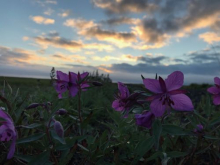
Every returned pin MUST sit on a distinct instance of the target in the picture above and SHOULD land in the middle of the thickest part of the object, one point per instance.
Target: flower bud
(96, 83)
(33, 105)
(199, 128)
(58, 129)
(61, 111)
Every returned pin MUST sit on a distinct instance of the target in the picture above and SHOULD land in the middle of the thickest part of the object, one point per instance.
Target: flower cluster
(124, 100)
(166, 95)
(71, 82)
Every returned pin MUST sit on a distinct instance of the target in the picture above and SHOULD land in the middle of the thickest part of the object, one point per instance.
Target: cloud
(125, 6)
(79, 23)
(49, 11)
(70, 58)
(44, 3)
(18, 56)
(121, 20)
(25, 38)
(150, 32)
(89, 29)
(42, 20)
(119, 39)
(64, 13)
(210, 37)
(58, 42)
(165, 20)
(53, 40)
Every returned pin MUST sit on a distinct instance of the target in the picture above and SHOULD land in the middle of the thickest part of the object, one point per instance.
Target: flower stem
(51, 142)
(79, 110)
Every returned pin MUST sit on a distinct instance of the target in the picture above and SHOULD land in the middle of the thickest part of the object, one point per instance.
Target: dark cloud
(100, 33)
(57, 56)
(126, 6)
(154, 60)
(58, 42)
(53, 34)
(119, 21)
(165, 18)
(8, 55)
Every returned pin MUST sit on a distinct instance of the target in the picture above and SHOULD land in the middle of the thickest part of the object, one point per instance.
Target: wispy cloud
(49, 11)
(64, 13)
(42, 20)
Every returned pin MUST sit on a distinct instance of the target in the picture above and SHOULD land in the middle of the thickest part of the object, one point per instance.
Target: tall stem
(51, 142)
(79, 110)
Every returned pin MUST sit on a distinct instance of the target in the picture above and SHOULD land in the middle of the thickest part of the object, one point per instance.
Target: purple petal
(117, 105)
(84, 86)
(178, 91)
(62, 76)
(162, 84)
(83, 75)
(73, 77)
(123, 90)
(213, 90)
(73, 90)
(3, 114)
(181, 102)
(152, 85)
(157, 107)
(174, 80)
(12, 148)
(216, 99)
(217, 80)
(145, 119)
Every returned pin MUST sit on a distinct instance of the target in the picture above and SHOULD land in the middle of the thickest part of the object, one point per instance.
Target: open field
(106, 137)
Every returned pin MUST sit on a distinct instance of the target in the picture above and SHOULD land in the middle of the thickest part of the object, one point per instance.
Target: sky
(123, 38)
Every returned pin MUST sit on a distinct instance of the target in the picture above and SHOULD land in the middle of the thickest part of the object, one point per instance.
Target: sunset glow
(119, 37)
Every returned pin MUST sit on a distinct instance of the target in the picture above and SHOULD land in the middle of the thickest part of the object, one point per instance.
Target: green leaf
(175, 130)
(157, 129)
(154, 156)
(55, 136)
(176, 154)
(214, 121)
(26, 158)
(84, 148)
(42, 159)
(30, 138)
(142, 148)
(211, 137)
(200, 117)
(34, 125)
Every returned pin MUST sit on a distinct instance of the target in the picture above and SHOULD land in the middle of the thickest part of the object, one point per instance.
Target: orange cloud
(119, 39)
(42, 20)
(210, 37)
(105, 70)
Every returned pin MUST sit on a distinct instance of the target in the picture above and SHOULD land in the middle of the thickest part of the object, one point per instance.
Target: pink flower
(145, 119)
(167, 94)
(124, 101)
(72, 82)
(7, 132)
(215, 90)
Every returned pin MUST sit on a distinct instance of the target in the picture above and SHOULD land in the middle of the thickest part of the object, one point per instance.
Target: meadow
(87, 129)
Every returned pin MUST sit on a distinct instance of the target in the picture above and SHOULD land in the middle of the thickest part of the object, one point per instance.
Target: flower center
(165, 98)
